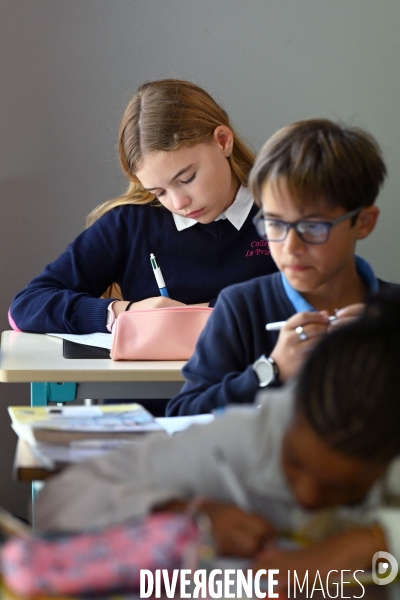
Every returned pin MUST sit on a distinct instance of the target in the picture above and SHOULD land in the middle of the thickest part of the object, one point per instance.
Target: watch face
(265, 372)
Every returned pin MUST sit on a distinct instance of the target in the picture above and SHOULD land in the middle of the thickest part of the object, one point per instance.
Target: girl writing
(187, 203)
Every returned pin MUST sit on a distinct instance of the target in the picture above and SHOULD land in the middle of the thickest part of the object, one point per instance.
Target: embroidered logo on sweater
(258, 248)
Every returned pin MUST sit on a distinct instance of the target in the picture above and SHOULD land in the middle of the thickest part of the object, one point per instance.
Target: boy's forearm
(234, 388)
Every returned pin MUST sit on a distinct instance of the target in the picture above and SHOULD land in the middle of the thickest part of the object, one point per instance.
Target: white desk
(37, 358)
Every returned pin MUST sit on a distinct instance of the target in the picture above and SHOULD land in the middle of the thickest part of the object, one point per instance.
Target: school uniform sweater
(130, 482)
(196, 262)
(221, 369)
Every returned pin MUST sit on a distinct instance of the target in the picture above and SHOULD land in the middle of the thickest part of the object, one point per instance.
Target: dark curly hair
(349, 389)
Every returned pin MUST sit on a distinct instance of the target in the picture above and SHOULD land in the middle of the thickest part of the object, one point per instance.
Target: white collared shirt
(237, 213)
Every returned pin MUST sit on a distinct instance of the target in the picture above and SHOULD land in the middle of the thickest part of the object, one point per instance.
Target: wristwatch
(266, 370)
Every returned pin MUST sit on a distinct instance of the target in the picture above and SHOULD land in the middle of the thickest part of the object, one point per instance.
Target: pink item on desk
(158, 333)
(12, 322)
(103, 561)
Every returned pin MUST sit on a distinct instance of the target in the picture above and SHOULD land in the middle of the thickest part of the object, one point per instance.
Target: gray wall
(69, 68)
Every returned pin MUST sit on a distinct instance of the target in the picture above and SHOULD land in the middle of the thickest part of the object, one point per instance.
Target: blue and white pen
(158, 276)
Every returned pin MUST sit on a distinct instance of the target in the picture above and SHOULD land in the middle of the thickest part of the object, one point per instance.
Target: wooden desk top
(27, 357)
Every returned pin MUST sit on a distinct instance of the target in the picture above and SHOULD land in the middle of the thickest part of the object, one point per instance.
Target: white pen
(231, 481)
(279, 324)
(158, 275)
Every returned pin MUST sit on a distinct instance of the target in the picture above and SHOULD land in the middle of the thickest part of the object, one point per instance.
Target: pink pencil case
(158, 333)
(97, 562)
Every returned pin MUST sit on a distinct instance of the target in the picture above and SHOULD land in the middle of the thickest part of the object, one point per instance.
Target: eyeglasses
(310, 232)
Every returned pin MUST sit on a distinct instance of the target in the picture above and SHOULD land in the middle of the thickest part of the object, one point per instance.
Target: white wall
(69, 68)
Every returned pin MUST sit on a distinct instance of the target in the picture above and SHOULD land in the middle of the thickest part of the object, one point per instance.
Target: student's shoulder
(258, 287)
(135, 213)
(388, 286)
(252, 295)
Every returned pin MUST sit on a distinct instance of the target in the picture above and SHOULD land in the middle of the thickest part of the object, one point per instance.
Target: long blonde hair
(166, 115)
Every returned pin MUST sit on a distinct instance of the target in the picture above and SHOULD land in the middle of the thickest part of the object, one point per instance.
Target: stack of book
(59, 435)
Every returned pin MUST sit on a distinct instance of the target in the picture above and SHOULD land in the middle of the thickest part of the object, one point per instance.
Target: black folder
(74, 350)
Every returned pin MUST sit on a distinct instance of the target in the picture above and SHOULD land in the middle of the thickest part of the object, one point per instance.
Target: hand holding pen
(346, 315)
(297, 336)
(237, 530)
(237, 492)
(161, 301)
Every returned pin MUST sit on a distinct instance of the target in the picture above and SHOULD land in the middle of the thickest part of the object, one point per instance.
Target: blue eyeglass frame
(329, 224)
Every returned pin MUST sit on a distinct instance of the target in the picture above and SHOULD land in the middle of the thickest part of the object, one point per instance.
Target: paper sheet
(101, 340)
(174, 424)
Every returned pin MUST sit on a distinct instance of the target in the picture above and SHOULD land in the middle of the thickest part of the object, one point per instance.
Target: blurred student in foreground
(316, 458)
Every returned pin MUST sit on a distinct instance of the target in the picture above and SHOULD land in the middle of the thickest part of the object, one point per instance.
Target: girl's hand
(348, 314)
(157, 302)
(290, 350)
(234, 531)
(349, 551)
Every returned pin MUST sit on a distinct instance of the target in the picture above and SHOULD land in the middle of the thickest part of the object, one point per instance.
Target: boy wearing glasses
(316, 182)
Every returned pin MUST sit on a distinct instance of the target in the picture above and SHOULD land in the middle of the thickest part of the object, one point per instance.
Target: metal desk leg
(43, 393)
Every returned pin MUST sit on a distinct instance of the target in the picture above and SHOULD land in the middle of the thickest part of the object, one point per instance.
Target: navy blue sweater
(220, 371)
(196, 264)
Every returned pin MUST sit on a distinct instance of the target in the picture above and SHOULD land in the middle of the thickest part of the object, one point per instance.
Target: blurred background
(69, 68)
